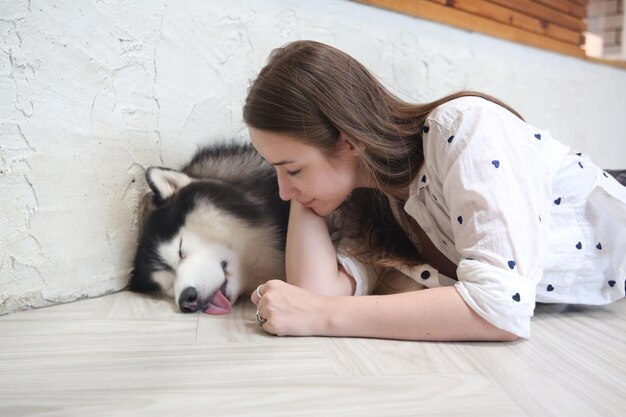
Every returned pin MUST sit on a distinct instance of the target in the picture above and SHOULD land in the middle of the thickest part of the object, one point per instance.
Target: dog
(215, 230)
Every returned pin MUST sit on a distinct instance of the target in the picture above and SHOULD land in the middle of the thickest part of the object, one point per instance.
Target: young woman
(506, 215)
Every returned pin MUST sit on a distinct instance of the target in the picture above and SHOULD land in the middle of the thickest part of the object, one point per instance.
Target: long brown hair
(314, 92)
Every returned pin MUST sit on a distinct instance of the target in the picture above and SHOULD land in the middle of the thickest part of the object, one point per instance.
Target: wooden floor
(128, 355)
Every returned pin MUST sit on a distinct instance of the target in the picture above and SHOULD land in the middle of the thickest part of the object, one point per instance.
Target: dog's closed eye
(180, 250)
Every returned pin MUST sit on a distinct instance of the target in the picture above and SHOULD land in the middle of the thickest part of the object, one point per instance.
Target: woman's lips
(308, 204)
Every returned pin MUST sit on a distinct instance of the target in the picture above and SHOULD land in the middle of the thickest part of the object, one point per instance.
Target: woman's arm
(311, 259)
(319, 300)
(433, 314)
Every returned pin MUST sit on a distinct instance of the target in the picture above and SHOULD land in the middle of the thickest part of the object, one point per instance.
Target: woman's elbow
(508, 337)
(334, 285)
(501, 335)
(496, 334)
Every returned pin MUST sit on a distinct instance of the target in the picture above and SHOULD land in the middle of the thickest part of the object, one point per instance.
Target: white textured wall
(93, 92)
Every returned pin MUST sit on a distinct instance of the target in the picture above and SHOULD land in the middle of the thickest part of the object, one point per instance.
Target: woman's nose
(286, 191)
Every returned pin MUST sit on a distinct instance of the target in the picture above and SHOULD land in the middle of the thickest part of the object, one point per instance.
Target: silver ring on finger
(260, 319)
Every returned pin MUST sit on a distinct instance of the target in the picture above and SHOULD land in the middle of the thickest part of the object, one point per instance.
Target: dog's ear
(165, 182)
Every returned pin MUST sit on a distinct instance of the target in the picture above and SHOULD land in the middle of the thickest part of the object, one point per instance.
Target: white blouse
(525, 219)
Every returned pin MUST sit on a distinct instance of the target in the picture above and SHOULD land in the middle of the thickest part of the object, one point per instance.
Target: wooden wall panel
(557, 25)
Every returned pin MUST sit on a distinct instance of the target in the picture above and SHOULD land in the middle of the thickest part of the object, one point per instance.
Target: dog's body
(217, 230)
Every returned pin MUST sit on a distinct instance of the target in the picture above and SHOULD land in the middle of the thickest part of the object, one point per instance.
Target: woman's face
(306, 175)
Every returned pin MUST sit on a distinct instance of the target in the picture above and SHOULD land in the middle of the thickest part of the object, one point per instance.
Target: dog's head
(185, 249)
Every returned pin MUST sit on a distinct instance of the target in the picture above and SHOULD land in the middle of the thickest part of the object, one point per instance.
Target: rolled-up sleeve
(344, 234)
(496, 186)
(365, 275)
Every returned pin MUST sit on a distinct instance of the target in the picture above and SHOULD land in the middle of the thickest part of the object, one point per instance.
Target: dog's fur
(216, 230)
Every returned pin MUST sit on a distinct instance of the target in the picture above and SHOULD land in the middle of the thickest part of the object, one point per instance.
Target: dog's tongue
(219, 304)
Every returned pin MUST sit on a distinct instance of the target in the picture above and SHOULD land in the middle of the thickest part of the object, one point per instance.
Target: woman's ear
(349, 144)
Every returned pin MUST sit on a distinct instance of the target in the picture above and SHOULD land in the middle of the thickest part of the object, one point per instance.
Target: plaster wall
(94, 92)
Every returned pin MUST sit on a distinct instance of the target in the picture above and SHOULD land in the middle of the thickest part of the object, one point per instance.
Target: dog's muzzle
(216, 304)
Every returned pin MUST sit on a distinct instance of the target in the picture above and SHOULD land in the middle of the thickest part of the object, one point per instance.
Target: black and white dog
(216, 230)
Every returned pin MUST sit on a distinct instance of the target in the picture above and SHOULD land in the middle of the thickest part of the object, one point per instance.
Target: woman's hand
(290, 310)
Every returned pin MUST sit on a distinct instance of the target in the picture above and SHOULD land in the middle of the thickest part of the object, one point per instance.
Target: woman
(501, 210)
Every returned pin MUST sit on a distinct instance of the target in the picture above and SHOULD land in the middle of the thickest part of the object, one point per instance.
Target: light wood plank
(80, 309)
(395, 396)
(129, 355)
(573, 365)
(373, 357)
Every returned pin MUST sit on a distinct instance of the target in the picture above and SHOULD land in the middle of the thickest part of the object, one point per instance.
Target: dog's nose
(188, 300)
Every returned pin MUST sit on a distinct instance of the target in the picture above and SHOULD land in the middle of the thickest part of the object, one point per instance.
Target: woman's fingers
(261, 298)
(285, 309)
(257, 294)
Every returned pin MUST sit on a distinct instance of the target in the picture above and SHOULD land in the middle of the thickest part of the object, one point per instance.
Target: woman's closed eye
(293, 173)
